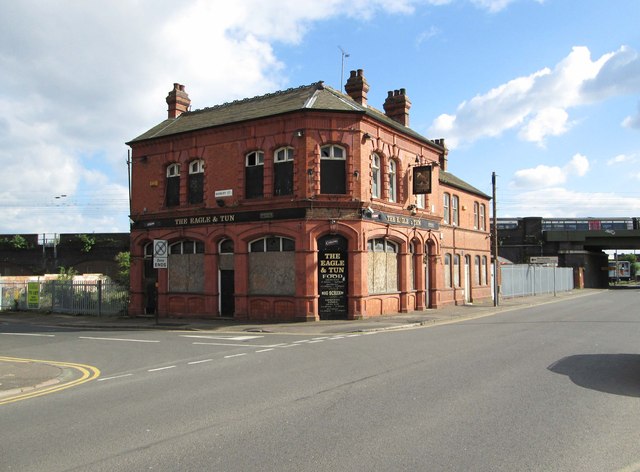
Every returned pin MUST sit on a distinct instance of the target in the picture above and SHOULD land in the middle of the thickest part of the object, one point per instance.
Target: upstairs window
(393, 185)
(483, 218)
(172, 196)
(446, 203)
(476, 215)
(196, 181)
(455, 218)
(254, 174)
(283, 171)
(332, 170)
(375, 175)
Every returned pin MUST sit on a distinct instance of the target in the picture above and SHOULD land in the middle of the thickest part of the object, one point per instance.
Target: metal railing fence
(523, 280)
(95, 297)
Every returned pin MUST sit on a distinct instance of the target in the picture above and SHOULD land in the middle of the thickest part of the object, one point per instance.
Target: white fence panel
(524, 280)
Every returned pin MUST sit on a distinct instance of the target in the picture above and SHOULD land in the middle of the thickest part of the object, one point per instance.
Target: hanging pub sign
(421, 180)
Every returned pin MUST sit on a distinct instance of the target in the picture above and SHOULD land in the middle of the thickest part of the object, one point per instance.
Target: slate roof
(451, 180)
(316, 96)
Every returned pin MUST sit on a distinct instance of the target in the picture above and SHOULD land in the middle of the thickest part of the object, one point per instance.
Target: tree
(124, 265)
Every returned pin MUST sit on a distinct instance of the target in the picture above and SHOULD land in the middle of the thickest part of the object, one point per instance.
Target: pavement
(18, 376)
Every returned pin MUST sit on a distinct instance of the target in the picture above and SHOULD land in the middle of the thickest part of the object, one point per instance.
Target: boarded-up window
(272, 266)
(254, 174)
(332, 170)
(172, 195)
(383, 266)
(186, 267)
(283, 171)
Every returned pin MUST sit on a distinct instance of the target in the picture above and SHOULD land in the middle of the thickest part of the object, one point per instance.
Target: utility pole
(496, 265)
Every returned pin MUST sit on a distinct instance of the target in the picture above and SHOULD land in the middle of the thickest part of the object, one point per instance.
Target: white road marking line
(235, 355)
(265, 350)
(120, 339)
(238, 345)
(230, 338)
(336, 337)
(114, 377)
(352, 335)
(161, 368)
(199, 362)
(289, 345)
(301, 341)
(30, 334)
(323, 337)
(316, 341)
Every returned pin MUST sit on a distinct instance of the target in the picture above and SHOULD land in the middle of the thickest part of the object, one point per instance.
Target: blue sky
(544, 93)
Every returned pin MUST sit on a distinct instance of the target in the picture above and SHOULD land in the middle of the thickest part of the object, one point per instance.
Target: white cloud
(538, 105)
(547, 122)
(632, 121)
(563, 203)
(543, 176)
(621, 158)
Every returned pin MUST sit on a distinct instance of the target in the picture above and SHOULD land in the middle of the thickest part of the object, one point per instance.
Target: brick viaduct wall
(28, 254)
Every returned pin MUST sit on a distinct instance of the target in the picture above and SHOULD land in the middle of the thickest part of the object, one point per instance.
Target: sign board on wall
(33, 295)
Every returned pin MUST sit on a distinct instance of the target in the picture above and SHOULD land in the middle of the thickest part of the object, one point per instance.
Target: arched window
(254, 174)
(456, 270)
(226, 246)
(483, 220)
(272, 244)
(484, 270)
(272, 266)
(172, 193)
(476, 215)
(196, 181)
(447, 270)
(383, 266)
(375, 175)
(446, 202)
(283, 171)
(332, 169)
(455, 219)
(186, 266)
(476, 271)
(393, 183)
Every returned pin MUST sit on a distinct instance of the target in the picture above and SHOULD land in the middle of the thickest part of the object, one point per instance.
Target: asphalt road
(549, 388)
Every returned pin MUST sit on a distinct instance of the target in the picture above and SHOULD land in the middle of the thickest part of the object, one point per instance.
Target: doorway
(332, 277)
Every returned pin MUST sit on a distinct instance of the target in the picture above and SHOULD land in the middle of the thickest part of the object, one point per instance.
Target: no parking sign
(160, 252)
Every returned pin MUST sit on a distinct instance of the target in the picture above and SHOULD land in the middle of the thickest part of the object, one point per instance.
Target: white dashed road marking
(120, 339)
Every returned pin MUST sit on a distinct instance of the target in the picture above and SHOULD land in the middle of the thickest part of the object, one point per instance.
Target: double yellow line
(87, 373)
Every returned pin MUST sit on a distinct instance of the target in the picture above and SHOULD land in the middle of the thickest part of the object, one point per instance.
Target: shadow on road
(611, 373)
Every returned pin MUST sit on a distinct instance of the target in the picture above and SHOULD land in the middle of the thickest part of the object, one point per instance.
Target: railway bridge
(577, 242)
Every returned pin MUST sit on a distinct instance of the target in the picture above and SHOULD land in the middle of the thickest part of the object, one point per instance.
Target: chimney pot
(357, 87)
(397, 106)
(178, 101)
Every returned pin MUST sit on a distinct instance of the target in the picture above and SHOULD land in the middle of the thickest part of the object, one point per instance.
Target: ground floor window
(186, 266)
(272, 266)
(383, 266)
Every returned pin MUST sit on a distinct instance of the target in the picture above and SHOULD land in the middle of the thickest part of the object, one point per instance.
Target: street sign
(548, 260)
(160, 252)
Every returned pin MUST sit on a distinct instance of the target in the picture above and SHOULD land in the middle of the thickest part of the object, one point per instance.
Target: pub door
(332, 277)
(227, 293)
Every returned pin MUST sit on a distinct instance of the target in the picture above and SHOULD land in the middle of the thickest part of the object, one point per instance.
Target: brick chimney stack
(397, 105)
(357, 87)
(178, 101)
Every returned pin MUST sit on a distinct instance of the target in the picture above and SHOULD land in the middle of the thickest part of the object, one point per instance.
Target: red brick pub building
(300, 205)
